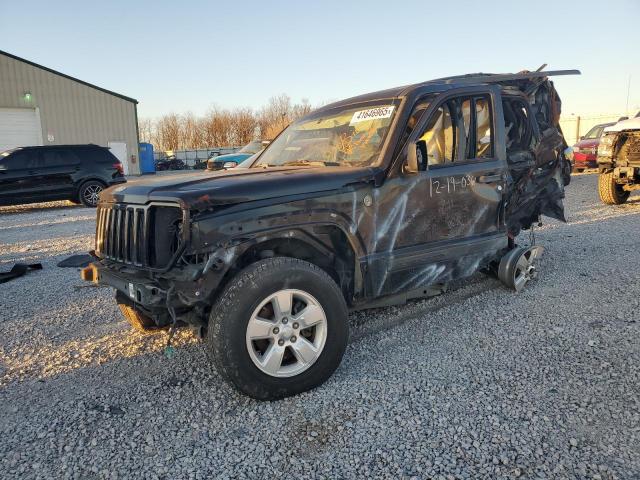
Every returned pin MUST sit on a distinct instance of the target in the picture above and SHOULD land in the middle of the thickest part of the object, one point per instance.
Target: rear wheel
(518, 267)
(89, 193)
(278, 329)
(610, 192)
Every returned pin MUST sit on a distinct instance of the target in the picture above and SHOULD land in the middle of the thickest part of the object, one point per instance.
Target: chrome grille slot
(140, 235)
(121, 232)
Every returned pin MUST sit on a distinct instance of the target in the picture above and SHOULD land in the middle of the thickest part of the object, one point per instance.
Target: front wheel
(278, 329)
(610, 192)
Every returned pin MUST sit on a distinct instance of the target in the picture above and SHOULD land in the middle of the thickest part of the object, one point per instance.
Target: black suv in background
(62, 172)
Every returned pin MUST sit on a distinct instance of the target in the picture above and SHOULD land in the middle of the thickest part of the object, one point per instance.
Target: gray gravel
(477, 383)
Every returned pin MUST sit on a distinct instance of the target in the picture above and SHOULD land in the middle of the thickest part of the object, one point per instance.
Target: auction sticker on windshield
(371, 114)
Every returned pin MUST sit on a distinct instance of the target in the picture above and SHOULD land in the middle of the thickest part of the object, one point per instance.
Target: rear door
(57, 168)
(450, 200)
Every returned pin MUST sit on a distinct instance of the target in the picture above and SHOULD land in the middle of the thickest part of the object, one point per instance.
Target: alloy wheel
(286, 333)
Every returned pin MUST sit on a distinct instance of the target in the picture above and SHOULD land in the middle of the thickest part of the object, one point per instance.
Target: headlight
(605, 148)
(606, 140)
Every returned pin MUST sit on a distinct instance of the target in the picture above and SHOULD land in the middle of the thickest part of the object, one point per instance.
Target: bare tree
(244, 125)
(168, 132)
(218, 128)
(145, 130)
(279, 113)
(222, 127)
(191, 135)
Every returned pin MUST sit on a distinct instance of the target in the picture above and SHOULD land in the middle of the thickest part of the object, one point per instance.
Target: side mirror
(229, 165)
(265, 143)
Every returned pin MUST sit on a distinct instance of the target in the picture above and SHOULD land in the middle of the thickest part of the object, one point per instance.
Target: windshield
(342, 137)
(595, 132)
(253, 147)
(6, 153)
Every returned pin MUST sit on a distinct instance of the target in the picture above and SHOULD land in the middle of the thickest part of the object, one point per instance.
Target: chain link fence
(192, 158)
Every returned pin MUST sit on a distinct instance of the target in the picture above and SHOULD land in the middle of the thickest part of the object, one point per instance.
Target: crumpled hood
(203, 189)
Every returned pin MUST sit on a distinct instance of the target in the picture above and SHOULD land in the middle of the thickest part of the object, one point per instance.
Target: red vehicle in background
(585, 151)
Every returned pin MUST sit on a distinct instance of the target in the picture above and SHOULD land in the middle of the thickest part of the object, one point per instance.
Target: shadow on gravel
(366, 323)
(38, 207)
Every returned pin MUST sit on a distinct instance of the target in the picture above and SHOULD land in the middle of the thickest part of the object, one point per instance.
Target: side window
(22, 160)
(483, 134)
(440, 136)
(459, 131)
(58, 157)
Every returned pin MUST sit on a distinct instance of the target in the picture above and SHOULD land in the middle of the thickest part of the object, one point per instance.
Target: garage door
(19, 127)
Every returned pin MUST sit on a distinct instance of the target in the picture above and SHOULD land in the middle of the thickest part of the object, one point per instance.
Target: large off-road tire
(278, 328)
(610, 192)
(89, 193)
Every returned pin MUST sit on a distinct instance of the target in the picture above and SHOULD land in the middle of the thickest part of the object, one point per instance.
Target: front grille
(141, 235)
(122, 233)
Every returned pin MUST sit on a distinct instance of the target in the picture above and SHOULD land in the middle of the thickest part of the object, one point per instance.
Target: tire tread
(232, 297)
(608, 191)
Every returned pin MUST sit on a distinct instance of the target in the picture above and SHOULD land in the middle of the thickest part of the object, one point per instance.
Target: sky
(192, 55)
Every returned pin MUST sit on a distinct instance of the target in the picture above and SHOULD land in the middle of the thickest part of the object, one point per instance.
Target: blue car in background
(217, 163)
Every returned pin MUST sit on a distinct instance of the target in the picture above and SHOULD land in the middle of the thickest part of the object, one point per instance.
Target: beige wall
(574, 127)
(70, 112)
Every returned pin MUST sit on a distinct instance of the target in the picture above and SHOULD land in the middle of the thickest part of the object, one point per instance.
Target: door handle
(488, 178)
(32, 172)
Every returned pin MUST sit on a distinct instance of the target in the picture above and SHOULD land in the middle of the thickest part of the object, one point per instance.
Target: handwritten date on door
(442, 185)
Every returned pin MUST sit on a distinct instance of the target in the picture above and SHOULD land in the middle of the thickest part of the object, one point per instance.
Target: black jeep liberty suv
(365, 202)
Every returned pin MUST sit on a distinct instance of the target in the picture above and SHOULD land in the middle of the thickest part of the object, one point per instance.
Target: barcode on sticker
(371, 114)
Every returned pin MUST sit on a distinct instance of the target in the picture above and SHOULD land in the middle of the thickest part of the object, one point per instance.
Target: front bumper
(138, 289)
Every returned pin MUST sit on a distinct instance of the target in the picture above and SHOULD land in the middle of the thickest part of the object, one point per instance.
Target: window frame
(493, 92)
(461, 97)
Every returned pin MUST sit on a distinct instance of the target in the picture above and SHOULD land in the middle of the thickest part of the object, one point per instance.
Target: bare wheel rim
(525, 269)
(286, 333)
(91, 193)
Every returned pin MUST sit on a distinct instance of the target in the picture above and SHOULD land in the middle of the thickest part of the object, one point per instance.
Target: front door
(119, 149)
(20, 179)
(443, 213)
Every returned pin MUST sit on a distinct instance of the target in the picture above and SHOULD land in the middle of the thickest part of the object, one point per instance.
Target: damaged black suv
(365, 202)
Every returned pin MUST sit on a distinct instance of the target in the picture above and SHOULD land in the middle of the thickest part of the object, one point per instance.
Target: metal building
(40, 106)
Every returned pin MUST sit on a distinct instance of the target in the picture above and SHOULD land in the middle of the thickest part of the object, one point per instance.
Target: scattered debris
(18, 270)
(76, 261)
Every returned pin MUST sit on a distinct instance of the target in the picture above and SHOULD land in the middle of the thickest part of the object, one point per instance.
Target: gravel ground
(477, 383)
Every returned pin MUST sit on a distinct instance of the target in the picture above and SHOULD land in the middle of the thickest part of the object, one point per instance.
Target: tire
(243, 301)
(610, 192)
(89, 193)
